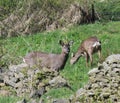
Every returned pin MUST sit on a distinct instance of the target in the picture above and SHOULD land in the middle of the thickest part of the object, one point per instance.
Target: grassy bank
(8, 99)
(109, 34)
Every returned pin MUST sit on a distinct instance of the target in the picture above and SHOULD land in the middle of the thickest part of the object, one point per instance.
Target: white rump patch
(96, 44)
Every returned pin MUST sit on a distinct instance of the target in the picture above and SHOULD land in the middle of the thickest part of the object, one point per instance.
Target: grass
(8, 99)
(109, 34)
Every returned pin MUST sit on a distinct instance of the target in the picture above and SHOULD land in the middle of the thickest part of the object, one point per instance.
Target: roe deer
(87, 48)
(49, 60)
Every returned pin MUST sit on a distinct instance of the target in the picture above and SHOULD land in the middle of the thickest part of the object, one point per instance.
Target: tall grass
(15, 48)
(108, 9)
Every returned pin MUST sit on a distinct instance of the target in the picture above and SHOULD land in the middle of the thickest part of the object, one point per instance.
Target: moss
(24, 71)
(46, 81)
(10, 89)
(41, 75)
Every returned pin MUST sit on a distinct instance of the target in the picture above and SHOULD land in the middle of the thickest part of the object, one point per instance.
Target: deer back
(49, 60)
(91, 45)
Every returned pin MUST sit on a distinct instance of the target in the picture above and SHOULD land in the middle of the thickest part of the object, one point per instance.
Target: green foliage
(56, 93)
(8, 99)
(50, 6)
(6, 7)
(17, 47)
(108, 9)
(8, 4)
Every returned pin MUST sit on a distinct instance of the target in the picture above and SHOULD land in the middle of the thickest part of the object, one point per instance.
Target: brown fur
(87, 48)
(49, 60)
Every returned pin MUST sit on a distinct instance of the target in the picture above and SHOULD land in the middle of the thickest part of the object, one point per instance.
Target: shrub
(108, 9)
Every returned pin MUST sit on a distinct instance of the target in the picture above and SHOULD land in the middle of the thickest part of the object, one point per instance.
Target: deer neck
(79, 52)
(64, 55)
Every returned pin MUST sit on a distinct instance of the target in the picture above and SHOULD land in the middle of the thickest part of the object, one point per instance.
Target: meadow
(16, 47)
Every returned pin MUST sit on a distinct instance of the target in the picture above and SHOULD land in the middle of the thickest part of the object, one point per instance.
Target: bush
(6, 7)
(108, 9)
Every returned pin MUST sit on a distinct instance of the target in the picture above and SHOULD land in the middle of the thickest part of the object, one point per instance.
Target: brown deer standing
(87, 48)
(49, 60)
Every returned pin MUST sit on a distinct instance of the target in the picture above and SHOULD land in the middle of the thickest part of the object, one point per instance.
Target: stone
(105, 95)
(93, 71)
(106, 66)
(103, 84)
(91, 94)
(95, 86)
(9, 73)
(17, 68)
(58, 82)
(4, 93)
(80, 92)
(19, 75)
(41, 101)
(104, 80)
(114, 98)
(19, 85)
(115, 66)
(37, 93)
(113, 59)
(2, 84)
(61, 101)
(0, 70)
(10, 83)
(22, 101)
(30, 72)
(14, 80)
(116, 70)
(1, 78)
(33, 101)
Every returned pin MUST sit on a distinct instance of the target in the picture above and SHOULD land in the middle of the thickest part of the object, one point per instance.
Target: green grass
(109, 33)
(8, 99)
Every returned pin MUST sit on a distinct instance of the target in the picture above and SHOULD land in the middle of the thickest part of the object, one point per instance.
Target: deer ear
(61, 42)
(71, 42)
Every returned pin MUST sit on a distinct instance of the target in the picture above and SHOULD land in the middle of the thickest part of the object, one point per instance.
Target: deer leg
(87, 58)
(90, 52)
(90, 56)
(99, 54)
(91, 60)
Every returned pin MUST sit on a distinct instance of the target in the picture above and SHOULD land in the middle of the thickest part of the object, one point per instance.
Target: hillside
(26, 17)
(17, 47)
(35, 16)
(39, 25)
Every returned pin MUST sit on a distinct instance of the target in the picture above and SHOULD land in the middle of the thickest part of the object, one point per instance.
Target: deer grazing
(51, 61)
(87, 48)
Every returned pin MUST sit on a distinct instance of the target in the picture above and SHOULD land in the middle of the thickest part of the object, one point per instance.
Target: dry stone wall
(103, 85)
(32, 82)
